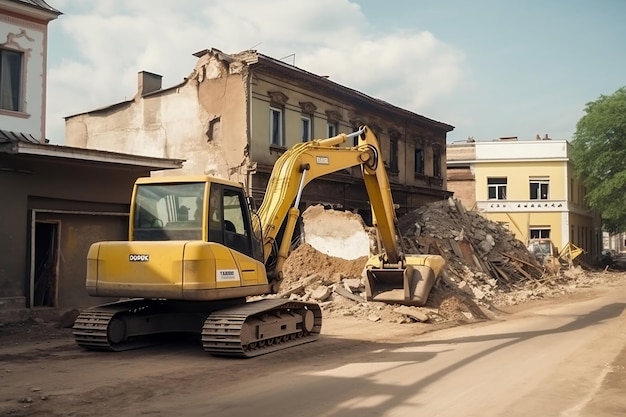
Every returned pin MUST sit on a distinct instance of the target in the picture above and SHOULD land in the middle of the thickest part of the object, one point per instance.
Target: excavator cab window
(229, 219)
(163, 211)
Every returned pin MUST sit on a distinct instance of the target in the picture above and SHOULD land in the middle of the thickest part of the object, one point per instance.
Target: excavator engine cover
(406, 286)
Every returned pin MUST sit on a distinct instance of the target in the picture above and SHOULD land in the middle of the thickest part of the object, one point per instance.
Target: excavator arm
(392, 276)
(310, 160)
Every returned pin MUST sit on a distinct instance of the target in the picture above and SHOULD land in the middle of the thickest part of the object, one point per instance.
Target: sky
(490, 68)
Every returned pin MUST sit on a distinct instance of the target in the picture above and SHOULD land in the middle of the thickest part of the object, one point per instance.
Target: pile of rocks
(485, 265)
(482, 257)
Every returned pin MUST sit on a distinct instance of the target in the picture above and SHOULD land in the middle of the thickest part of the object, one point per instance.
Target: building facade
(23, 58)
(527, 186)
(57, 201)
(236, 114)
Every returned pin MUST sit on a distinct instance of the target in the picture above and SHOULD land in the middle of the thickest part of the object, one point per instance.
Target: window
(10, 79)
(539, 232)
(306, 128)
(419, 161)
(229, 223)
(168, 211)
(437, 163)
(332, 130)
(496, 188)
(539, 188)
(276, 127)
(393, 155)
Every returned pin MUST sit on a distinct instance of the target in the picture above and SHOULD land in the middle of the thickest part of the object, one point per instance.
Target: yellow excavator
(197, 250)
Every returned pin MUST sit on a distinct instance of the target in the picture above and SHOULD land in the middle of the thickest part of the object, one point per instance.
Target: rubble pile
(485, 265)
(482, 257)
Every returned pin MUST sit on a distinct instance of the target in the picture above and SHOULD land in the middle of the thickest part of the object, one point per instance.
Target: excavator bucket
(407, 286)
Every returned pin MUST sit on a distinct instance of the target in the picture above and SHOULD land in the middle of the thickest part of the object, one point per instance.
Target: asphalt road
(564, 358)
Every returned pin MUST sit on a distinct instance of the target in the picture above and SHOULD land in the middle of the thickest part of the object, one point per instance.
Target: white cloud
(111, 41)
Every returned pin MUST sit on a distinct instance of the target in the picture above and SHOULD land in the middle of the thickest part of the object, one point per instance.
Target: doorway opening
(45, 266)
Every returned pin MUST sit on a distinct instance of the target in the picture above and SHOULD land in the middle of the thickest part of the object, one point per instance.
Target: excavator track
(95, 328)
(130, 324)
(261, 327)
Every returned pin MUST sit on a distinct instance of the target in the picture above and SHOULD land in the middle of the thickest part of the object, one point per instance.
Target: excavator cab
(202, 210)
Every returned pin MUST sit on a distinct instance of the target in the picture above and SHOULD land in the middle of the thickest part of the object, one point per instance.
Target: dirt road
(564, 357)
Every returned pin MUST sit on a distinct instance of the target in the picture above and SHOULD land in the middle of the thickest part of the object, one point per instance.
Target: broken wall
(202, 120)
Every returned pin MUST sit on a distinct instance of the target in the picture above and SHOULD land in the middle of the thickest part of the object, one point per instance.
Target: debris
(485, 265)
(412, 312)
(349, 295)
(374, 318)
(321, 293)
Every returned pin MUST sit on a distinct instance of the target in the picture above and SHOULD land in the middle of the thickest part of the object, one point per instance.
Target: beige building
(528, 186)
(236, 114)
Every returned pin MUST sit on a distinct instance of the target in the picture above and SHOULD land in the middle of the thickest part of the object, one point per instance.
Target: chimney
(546, 137)
(148, 82)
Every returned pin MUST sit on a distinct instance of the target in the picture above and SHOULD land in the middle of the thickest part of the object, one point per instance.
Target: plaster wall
(517, 150)
(30, 38)
(518, 178)
(36, 183)
(520, 223)
(203, 121)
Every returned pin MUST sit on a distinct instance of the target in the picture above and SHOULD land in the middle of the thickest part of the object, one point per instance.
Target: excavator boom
(307, 161)
(387, 277)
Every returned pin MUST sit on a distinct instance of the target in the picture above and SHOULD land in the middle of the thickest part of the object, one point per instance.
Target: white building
(23, 56)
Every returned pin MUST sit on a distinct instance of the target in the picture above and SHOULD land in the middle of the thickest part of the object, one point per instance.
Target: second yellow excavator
(197, 250)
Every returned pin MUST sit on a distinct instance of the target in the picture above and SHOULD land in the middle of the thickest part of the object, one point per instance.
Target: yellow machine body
(177, 270)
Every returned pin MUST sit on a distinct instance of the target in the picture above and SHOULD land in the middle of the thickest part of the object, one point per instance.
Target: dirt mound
(337, 285)
(306, 261)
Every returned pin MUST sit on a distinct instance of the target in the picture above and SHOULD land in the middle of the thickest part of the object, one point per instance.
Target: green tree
(599, 156)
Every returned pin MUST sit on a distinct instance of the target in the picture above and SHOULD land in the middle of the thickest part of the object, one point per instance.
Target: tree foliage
(599, 156)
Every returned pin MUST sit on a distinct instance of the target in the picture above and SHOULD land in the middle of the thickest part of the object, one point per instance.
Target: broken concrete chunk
(413, 313)
(349, 295)
(478, 293)
(485, 246)
(466, 288)
(374, 318)
(352, 284)
(321, 293)
(468, 315)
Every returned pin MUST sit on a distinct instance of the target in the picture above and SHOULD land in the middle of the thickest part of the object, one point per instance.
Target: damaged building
(234, 115)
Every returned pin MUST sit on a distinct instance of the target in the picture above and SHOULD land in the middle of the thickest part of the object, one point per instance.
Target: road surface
(560, 358)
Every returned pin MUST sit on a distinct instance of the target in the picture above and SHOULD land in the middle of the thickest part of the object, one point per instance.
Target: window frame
(499, 187)
(332, 129)
(537, 193)
(306, 127)
(418, 156)
(437, 171)
(277, 137)
(539, 232)
(394, 163)
(17, 102)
